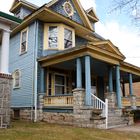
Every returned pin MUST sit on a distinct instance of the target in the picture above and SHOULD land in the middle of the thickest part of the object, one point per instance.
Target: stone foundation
(5, 92)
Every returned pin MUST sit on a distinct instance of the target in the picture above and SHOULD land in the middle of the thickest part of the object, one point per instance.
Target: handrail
(99, 104)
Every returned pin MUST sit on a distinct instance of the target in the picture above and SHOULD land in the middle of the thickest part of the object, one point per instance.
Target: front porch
(99, 77)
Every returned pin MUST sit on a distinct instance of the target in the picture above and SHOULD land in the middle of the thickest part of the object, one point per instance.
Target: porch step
(116, 126)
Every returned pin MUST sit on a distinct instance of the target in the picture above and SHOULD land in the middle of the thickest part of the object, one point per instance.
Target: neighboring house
(63, 70)
(7, 22)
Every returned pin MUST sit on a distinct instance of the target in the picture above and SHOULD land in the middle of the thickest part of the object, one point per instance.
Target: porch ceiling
(76, 52)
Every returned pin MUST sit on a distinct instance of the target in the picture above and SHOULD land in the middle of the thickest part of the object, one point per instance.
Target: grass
(21, 130)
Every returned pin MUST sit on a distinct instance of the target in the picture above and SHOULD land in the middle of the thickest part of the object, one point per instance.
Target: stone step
(117, 126)
(114, 123)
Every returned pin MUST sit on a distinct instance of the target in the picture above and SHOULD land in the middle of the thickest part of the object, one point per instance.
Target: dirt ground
(133, 128)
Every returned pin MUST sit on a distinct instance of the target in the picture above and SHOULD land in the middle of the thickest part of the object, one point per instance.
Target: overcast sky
(116, 26)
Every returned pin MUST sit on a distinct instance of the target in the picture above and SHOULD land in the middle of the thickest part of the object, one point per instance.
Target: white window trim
(13, 75)
(26, 29)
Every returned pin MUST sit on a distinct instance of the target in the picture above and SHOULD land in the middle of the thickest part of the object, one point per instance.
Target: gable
(18, 3)
(107, 45)
(79, 14)
(92, 15)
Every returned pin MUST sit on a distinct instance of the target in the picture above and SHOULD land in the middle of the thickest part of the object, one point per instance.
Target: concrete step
(116, 123)
(117, 126)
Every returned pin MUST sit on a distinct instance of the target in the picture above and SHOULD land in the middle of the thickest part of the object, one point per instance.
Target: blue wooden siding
(80, 41)
(58, 7)
(23, 97)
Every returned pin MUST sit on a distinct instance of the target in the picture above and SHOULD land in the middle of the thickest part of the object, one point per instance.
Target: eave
(46, 15)
(129, 68)
(76, 52)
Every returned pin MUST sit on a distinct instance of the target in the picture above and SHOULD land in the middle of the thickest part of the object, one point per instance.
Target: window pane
(59, 80)
(16, 79)
(67, 38)
(59, 84)
(24, 36)
(53, 36)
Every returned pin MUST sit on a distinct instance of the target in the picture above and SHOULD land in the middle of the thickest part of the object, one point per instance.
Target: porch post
(88, 80)
(78, 73)
(110, 80)
(130, 84)
(118, 86)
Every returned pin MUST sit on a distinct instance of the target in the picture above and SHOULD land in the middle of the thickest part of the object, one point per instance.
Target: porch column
(118, 86)
(5, 53)
(130, 84)
(110, 80)
(88, 80)
(78, 73)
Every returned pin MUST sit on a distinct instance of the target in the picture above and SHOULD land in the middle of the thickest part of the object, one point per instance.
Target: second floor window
(67, 38)
(23, 45)
(53, 37)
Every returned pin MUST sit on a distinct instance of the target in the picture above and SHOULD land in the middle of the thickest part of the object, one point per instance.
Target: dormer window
(58, 37)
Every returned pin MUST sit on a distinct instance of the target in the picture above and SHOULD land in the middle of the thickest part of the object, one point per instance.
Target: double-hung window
(23, 43)
(67, 38)
(53, 37)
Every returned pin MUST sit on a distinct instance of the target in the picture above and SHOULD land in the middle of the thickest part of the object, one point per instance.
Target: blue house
(63, 71)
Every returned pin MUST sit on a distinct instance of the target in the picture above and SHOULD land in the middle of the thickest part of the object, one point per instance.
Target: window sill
(15, 88)
(23, 53)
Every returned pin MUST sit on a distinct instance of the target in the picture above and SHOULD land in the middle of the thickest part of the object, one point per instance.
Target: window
(67, 38)
(16, 79)
(58, 36)
(59, 84)
(23, 45)
(53, 37)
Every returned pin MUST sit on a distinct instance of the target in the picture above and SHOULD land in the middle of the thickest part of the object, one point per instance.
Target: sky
(115, 26)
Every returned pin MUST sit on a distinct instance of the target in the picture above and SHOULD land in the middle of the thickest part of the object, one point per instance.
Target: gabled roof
(80, 10)
(107, 45)
(92, 15)
(18, 3)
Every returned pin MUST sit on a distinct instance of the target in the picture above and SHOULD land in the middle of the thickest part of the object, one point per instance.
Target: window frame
(14, 79)
(21, 35)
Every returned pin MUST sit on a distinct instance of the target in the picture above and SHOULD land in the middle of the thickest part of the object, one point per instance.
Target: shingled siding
(58, 7)
(23, 97)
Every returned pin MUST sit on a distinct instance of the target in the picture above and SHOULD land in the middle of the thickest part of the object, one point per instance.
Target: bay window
(58, 37)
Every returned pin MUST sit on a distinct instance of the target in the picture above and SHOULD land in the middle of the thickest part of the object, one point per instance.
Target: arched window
(16, 79)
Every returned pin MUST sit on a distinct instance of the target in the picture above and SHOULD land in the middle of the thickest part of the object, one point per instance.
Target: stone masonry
(5, 92)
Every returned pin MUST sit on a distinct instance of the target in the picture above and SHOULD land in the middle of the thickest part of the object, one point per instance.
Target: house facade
(63, 71)
(7, 22)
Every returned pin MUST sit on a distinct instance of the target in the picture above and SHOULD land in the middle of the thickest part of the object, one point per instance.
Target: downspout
(35, 71)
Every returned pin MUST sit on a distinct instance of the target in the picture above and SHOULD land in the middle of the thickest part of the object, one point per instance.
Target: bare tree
(131, 7)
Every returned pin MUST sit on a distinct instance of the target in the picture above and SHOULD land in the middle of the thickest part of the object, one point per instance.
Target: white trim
(26, 29)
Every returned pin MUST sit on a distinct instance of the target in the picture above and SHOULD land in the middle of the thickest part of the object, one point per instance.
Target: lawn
(21, 130)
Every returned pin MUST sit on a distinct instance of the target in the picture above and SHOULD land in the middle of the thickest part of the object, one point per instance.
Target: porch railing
(127, 101)
(66, 101)
(99, 104)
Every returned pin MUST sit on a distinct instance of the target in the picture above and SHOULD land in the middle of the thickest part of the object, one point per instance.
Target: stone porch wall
(5, 92)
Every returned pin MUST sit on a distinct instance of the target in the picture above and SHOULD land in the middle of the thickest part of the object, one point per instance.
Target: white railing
(99, 104)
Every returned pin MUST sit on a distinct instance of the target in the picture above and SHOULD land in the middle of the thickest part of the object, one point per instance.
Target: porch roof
(90, 49)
